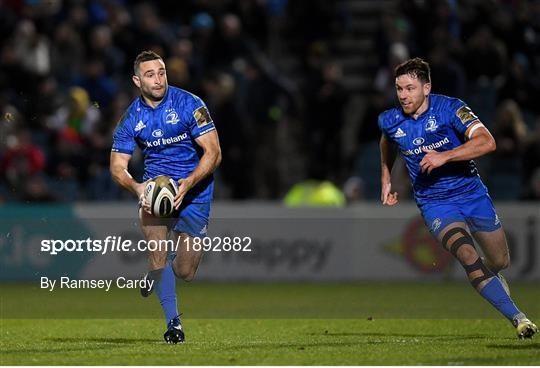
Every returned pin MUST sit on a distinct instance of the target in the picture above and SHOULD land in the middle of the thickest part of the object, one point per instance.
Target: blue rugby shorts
(476, 211)
(193, 219)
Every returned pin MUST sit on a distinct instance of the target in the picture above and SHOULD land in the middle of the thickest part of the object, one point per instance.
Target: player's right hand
(387, 197)
(142, 201)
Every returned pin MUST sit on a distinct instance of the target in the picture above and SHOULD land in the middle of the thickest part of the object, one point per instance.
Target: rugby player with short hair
(439, 137)
(177, 137)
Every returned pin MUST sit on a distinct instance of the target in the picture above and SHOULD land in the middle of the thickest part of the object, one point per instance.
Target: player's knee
(185, 273)
(188, 276)
(467, 254)
(502, 263)
(460, 243)
(157, 261)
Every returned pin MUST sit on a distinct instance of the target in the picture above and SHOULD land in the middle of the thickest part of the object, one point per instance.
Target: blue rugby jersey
(441, 128)
(166, 136)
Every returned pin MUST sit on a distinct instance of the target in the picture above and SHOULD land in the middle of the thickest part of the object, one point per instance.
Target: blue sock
(494, 292)
(166, 292)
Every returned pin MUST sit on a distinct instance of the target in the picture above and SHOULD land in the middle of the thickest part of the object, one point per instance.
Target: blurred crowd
(488, 54)
(65, 81)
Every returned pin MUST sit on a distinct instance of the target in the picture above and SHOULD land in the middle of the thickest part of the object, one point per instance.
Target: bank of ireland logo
(418, 141)
(172, 117)
(431, 124)
(157, 133)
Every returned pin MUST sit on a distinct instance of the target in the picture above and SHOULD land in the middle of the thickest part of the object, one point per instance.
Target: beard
(413, 107)
(154, 95)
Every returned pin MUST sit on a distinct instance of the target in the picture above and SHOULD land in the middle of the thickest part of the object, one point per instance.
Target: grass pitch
(267, 324)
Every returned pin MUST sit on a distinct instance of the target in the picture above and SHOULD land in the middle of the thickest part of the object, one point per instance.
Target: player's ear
(136, 80)
(427, 88)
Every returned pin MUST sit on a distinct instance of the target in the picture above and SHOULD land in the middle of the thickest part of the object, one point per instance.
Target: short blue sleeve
(123, 138)
(200, 121)
(462, 117)
(380, 122)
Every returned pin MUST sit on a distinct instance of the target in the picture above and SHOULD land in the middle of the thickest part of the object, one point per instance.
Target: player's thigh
(441, 217)
(191, 227)
(448, 225)
(494, 246)
(456, 238)
(481, 215)
(451, 233)
(487, 230)
(189, 252)
(155, 234)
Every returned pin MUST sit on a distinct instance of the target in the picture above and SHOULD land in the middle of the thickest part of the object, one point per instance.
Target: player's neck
(155, 103)
(152, 103)
(422, 109)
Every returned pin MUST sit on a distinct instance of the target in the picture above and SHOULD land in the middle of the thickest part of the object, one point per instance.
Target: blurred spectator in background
(77, 115)
(202, 28)
(67, 54)
(236, 139)
(384, 82)
(353, 189)
(533, 186)
(21, 161)
(530, 161)
(102, 47)
(326, 100)
(100, 87)
(98, 140)
(289, 82)
(230, 45)
(35, 189)
(521, 84)
(509, 130)
(448, 77)
(485, 56)
(32, 49)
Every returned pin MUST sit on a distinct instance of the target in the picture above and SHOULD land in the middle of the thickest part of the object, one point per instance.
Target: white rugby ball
(159, 193)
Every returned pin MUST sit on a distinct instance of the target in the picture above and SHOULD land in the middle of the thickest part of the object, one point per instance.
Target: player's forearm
(122, 177)
(388, 157)
(385, 175)
(209, 162)
(474, 148)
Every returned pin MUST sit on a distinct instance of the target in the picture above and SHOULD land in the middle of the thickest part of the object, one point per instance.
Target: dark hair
(144, 56)
(416, 67)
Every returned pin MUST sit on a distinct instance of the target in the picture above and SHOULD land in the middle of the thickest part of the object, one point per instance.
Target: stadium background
(294, 88)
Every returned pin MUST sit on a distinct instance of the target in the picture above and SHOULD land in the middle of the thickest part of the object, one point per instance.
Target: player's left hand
(432, 160)
(183, 186)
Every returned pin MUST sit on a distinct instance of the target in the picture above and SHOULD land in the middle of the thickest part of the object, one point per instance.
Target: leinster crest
(431, 124)
(172, 117)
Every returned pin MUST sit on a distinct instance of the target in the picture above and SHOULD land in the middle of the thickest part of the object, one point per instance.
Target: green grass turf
(268, 324)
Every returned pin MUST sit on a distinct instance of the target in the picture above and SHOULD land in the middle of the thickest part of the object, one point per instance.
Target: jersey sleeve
(123, 137)
(380, 122)
(200, 121)
(462, 117)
